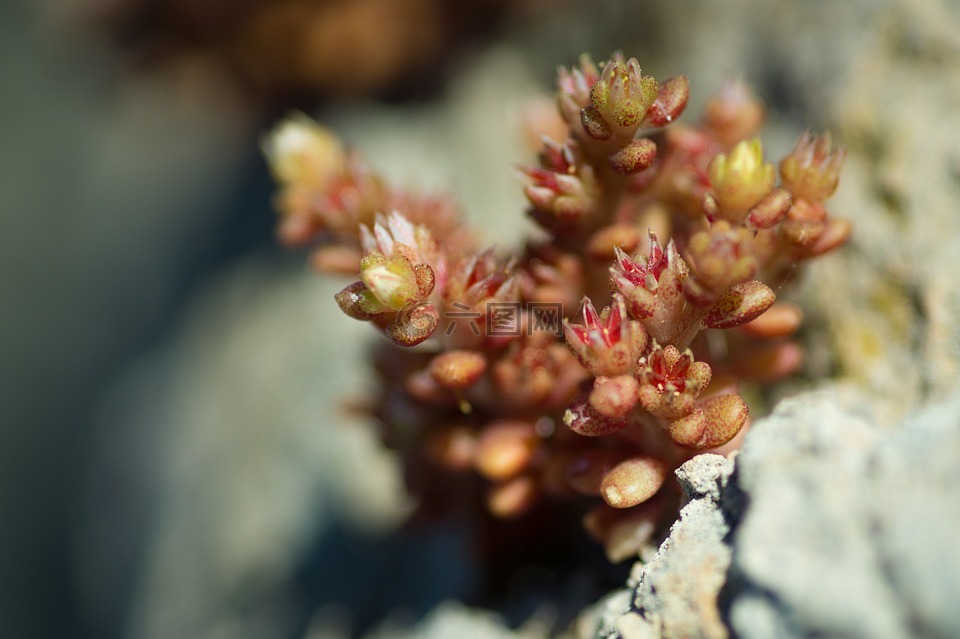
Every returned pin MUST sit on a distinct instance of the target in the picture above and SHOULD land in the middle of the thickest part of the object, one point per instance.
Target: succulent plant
(502, 384)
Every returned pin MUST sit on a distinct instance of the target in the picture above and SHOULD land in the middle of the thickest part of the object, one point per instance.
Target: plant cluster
(591, 363)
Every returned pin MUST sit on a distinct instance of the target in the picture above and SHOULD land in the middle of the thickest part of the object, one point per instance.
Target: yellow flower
(302, 152)
(623, 95)
(741, 180)
(392, 281)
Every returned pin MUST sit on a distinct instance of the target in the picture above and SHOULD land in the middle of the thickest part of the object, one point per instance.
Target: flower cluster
(678, 234)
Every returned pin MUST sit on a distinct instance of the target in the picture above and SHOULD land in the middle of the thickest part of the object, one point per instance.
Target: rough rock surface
(690, 563)
(675, 594)
(828, 526)
(848, 531)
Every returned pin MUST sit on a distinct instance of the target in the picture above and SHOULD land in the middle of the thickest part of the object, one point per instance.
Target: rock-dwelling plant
(580, 371)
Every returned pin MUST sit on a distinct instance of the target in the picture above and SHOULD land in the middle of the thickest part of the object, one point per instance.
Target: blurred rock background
(173, 458)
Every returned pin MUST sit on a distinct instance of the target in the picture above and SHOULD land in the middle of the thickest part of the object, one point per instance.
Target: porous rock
(828, 525)
(676, 592)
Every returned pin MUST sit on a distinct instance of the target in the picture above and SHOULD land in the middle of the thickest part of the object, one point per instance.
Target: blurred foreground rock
(269, 499)
(451, 619)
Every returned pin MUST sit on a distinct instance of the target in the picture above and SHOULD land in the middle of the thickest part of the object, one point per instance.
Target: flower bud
(623, 95)
(740, 180)
(714, 422)
(670, 103)
(512, 498)
(396, 270)
(652, 287)
(565, 194)
(770, 210)
(396, 235)
(671, 381)
(634, 157)
(582, 418)
(734, 114)
(414, 325)
(719, 258)
(457, 369)
(533, 372)
(392, 282)
(505, 448)
(740, 304)
(781, 320)
(633, 481)
(300, 151)
(609, 344)
(573, 88)
(614, 397)
(812, 170)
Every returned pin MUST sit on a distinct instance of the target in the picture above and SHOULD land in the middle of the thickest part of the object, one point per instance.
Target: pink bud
(770, 210)
(670, 103)
(351, 302)
(634, 157)
(671, 381)
(835, 235)
(584, 420)
(609, 344)
(505, 449)
(812, 170)
(512, 498)
(781, 320)
(593, 123)
(603, 244)
(633, 481)
(715, 422)
(740, 304)
(415, 325)
(457, 369)
(614, 397)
